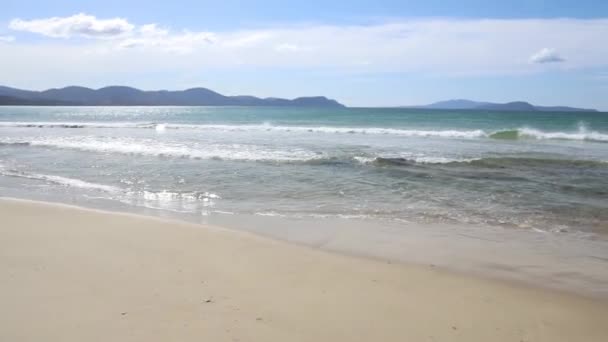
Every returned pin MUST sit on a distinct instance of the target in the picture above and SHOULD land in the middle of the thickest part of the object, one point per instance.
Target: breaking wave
(78, 125)
(153, 147)
(253, 128)
(493, 162)
(261, 153)
(235, 152)
(528, 133)
(582, 134)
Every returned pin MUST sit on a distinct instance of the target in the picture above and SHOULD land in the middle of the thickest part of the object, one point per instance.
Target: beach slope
(72, 274)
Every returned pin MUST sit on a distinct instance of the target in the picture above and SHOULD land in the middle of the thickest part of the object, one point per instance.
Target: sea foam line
(52, 124)
(65, 181)
(164, 196)
(518, 133)
(155, 148)
(252, 153)
(159, 127)
(236, 152)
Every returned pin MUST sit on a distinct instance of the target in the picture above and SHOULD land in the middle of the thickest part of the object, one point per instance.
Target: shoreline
(74, 274)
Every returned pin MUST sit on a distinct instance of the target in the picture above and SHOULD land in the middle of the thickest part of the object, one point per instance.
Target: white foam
(422, 159)
(70, 182)
(222, 212)
(269, 214)
(364, 160)
(240, 152)
(340, 130)
(254, 128)
(582, 134)
(61, 124)
(169, 196)
(443, 160)
(182, 202)
(173, 149)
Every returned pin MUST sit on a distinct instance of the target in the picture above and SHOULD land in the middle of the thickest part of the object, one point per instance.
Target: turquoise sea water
(520, 170)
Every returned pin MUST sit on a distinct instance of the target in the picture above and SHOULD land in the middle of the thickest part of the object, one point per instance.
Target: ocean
(527, 170)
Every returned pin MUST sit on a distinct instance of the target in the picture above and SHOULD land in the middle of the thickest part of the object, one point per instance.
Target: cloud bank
(453, 47)
(77, 25)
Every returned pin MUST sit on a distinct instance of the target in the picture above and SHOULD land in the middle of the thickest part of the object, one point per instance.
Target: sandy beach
(71, 274)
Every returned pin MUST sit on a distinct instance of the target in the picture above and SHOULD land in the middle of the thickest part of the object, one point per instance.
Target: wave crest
(153, 147)
(242, 152)
(529, 133)
(582, 134)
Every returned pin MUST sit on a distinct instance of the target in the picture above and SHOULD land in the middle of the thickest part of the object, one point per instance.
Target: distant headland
(127, 96)
(516, 106)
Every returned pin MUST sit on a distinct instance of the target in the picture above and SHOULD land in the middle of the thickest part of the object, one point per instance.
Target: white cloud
(153, 30)
(125, 35)
(246, 39)
(77, 25)
(184, 42)
(546, 55)
(7, 39)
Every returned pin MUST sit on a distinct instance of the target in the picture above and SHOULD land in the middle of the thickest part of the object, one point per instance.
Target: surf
(583, 134)
(521, 133)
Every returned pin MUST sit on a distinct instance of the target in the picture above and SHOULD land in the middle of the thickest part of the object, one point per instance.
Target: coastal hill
(18, 101)
(509, 106)
(127, 96)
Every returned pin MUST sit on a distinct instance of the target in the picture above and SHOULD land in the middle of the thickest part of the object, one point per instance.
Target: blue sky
(363, 53)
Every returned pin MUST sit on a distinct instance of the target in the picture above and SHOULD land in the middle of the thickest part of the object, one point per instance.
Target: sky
(361, 53)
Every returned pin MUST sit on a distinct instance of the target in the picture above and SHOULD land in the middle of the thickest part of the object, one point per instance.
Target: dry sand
(71, 274)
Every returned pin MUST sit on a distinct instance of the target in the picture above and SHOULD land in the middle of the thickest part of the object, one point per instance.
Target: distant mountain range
(127, 96)
(509, 106)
